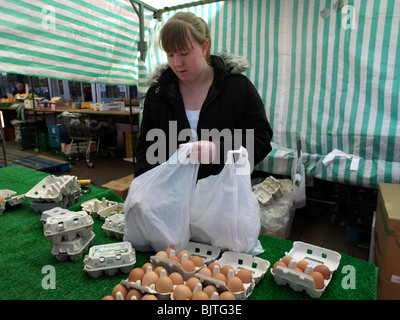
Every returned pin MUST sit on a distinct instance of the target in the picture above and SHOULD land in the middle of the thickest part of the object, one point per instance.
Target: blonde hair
(174, 34)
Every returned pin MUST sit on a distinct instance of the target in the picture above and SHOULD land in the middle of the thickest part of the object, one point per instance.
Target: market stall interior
(73, 85)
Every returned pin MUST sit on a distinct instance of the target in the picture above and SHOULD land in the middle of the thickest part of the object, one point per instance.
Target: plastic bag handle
(183, 152)
(241, 166)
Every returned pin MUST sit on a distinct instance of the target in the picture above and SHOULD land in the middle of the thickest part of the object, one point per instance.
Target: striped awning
(328, 73)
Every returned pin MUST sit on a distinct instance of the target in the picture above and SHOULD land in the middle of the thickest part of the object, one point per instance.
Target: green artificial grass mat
(24, 252)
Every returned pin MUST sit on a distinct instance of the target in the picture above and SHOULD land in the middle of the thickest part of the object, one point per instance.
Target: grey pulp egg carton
(102, 209)
(66, 227)
(206, 252)
(148, 289)
(10, 199)
(56, 211)
(257, 266)
(110, 258)
(53, 192)
(314, 255)
(53, 189)
(115, 226)
(73, 249)
(269, 190)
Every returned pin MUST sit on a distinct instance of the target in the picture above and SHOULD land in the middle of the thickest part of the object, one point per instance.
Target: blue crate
(57, 129)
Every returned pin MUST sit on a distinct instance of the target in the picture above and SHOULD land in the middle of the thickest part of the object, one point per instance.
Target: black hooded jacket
(232, 106)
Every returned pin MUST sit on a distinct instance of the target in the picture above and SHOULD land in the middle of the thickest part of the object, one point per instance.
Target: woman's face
(189, 64)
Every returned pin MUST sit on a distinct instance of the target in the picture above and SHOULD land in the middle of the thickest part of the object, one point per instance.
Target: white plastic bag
(157, 206)
(299, 182)
(224, 211)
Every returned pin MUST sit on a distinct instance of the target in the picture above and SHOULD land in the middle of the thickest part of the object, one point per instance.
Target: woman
(204, 93)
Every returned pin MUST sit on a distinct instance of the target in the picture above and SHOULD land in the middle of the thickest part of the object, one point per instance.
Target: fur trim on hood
(233, 64)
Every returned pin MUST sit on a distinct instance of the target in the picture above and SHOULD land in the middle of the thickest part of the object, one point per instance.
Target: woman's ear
(205, 48)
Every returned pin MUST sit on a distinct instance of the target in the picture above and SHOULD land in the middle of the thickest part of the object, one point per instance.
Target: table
(25, 253)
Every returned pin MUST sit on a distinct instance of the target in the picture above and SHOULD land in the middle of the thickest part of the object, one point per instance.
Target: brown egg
(146, 265)
(220, 276)
(206, 272)
(286, 260)
(181, 253)
(168, 251)
(108, 297)
(226, 268)
(162, 254)
(2, 199)
(176, 278)
(210, 289)
(149, 296)
(191, 283)
(324, 270)
(201, 295)
(164, 284)
(235, 284)
(198, 262)
(149, 278)
(134, 293)
(158, 270)
(278, 263)
(212, 265)
(298, 270)
(174, 258)
(182, 292)
(188, 266)
(136, 274)
(318, 280)
(245, 275)
(226, 295)
(302, 264)
(119, 288)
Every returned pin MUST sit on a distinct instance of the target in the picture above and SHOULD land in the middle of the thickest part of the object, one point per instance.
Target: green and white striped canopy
(327, 70)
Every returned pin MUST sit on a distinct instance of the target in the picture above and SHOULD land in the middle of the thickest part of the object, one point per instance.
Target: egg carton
(115, 226)
(73, 249)
(269, 190)
(161, 295)
(40, 207)
(148, 289)
(257, 266)
(314, 255)
(67, 226)
(10, 199)
(56, 211)
(206, 252)
(102, 209)
(53, 189)
(110, 258)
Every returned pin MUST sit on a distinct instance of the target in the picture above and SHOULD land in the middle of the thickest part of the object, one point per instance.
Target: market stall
(30, 261)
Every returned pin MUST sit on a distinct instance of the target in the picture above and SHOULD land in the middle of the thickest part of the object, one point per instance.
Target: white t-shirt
(193, 117)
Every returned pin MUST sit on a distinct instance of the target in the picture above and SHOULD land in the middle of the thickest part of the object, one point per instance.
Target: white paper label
(395, 279)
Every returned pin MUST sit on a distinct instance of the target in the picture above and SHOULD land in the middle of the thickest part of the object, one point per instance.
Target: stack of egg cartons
(53, 192)
(70, 232)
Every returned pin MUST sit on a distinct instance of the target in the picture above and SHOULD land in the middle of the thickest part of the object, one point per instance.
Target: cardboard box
(387, 241)
(120, 186)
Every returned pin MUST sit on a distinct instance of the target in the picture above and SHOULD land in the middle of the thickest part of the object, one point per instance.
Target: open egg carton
(53, 192)
(10, 199)
(257, 267)
(110, 258)
(206, 252)
(314, 256)
(102, 209)
(269, 190)
(115, 226)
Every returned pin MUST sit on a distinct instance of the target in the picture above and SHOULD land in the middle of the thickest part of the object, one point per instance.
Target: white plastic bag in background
(299, 182)
(157, 206)
(224, 211)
